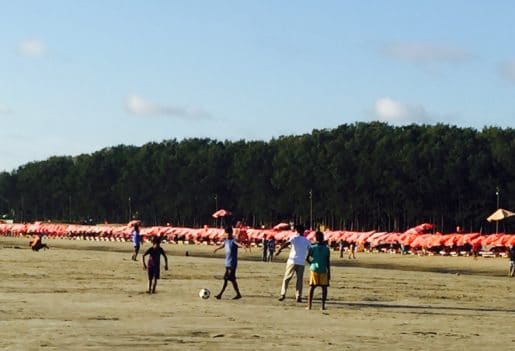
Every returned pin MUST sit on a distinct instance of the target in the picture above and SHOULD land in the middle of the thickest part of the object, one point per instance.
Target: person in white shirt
(296, 260)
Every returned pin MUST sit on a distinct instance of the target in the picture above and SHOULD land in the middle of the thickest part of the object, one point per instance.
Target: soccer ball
(204, 293)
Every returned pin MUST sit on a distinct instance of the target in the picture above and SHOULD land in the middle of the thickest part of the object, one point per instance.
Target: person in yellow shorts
(320, 268)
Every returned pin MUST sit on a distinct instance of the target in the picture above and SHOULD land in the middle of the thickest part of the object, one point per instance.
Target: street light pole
(130, 209)
(497, 193)
(311, 209)
(216, 209)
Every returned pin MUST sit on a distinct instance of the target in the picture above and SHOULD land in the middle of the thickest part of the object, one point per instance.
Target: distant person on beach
(296, 260)
(231, 262)
(476, 247)
(154, 263)
(511, 255)
(264, 243)
(37, 244)
(271, 249)
(243, 236)
(352, 251)
(320, 268)
(136, 241)
(341, 246)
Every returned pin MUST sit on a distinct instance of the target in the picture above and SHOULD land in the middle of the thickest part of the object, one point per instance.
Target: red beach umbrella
(221, 213)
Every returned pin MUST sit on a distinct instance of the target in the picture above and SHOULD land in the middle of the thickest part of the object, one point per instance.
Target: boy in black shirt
(155, 253)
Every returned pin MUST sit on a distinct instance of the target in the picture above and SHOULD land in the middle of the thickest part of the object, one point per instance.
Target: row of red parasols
(416, 237)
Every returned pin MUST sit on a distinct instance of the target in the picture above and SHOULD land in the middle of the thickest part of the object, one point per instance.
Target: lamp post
(497, 193)
(216, 209)
(130, 209)
(311, 209)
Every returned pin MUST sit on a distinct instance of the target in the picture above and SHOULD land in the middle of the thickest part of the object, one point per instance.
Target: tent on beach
(499, 215)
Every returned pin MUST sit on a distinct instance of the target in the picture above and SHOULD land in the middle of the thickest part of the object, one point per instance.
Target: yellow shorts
(318, 279)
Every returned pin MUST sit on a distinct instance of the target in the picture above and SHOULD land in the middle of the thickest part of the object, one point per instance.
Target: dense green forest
(363, 176)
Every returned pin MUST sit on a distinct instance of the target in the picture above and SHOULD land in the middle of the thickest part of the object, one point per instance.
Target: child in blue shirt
(231, 262)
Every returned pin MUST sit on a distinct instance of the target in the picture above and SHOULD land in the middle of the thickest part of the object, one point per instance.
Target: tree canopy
(363, 176)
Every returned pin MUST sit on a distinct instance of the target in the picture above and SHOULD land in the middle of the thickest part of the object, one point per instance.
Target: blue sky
(78, 76)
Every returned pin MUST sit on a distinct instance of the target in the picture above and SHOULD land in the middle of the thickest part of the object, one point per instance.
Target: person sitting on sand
(37, 244)
(320, 268)
(231, 262)
(154, 263)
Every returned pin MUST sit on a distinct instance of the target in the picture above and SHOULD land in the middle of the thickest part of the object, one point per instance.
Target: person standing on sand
(136, 241)
(154, 264)
(242, 236)
(264, 244)
(295, 263)
(320, 268)
(341, 246)
(511, 255)
(352, 250)
(476, 247)
(271, 249)
(231, 262)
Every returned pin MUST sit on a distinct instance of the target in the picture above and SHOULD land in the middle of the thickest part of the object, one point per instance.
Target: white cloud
(507, 70)
(395, 112)
(4, 109)
(32, 48)
(141, 106)
(425, 53)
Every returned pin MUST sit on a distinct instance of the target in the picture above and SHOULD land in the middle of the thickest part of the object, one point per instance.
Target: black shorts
(136, 247)
(153, 272)
(230, 273)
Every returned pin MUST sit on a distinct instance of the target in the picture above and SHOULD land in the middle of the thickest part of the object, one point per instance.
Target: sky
(79, 76)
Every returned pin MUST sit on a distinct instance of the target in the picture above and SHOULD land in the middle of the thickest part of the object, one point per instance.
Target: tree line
(361, 176)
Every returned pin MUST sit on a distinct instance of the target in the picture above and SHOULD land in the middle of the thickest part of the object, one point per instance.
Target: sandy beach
(84, 295)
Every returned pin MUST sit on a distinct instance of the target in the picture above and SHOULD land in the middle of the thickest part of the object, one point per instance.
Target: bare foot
(237, 297)
(218, 297)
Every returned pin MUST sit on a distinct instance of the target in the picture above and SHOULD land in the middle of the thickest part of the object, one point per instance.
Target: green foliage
(362, 176)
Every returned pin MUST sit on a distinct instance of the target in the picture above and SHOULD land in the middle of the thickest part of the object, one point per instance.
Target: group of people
(317, 255)
(268, 246)
(351, 249)
(302, 250)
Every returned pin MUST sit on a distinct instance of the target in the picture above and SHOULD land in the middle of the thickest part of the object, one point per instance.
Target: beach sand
(83, 295)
